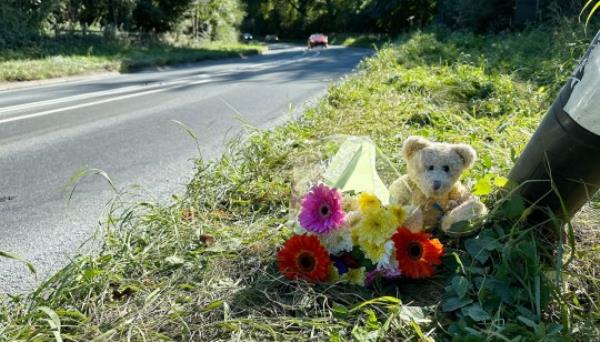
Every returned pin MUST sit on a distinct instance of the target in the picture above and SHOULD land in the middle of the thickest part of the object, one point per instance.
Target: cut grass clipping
(204, 268)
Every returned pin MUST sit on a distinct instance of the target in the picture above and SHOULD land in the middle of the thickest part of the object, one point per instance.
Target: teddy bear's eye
(446, 168)
(430, 167)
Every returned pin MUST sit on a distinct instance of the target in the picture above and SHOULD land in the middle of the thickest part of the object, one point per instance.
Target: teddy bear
(432, 184)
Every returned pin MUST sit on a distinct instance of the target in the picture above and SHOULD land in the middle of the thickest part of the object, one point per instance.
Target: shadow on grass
(297, 303)
(116, 54)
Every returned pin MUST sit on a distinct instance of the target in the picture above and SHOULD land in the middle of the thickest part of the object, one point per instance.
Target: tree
(477, 15)
(219, 19)
(159, 15)
(526, 11)
(395, 16)
(22, 19)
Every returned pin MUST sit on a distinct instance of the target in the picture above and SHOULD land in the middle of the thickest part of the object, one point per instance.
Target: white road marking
(84, 96)
(88, 104)
(163, 87)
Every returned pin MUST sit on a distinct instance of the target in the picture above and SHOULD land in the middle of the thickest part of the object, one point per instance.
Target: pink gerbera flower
(322, 210)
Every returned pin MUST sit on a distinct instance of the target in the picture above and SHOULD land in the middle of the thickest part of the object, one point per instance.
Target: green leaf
(377, 301)
(413, 314)
(460, 285)
(352, 168)
(500, 181)
(501, 290)
(476, 312)
(455, 303)
(53, 321)
(371, 321)
(418, 331)
(480, 247)
(591, 13)
(475, 270)
(486, 161)
(91, 273)
(527, 321)
(483, 186)
(477, 250)
(212, 306)
(335, 336)
(17, 258)
(514, 207)
(340, 311)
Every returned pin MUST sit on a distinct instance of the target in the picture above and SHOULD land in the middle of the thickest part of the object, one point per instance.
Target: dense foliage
(22, 21)
(296, 18)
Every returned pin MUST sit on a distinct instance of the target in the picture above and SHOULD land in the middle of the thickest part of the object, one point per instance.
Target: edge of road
(99, 75)
(5, 86)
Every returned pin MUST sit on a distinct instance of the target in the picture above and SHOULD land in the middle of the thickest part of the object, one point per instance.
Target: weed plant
(204, 268)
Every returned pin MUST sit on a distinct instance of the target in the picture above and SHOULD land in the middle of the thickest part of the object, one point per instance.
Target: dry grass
(204, 268)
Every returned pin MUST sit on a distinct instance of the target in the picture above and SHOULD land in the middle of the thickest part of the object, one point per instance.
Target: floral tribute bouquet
(348, 234)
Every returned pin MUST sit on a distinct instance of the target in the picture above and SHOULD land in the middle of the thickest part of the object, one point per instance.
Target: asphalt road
(123, 125)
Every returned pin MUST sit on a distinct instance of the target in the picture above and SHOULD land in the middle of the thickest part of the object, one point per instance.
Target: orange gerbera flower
(303, 257)
(417, 253)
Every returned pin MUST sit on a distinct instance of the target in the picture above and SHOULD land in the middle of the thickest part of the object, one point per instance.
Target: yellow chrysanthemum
(373, 251)
(368, 202)
(399, 212)
(377, 226)
(356, 276)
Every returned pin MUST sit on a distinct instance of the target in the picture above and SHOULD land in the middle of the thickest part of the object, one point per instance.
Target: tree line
(221, 19)
(22, 20)
(296, 18)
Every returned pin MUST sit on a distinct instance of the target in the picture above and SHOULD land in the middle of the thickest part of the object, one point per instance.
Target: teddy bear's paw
(466, 212)
(452, 205)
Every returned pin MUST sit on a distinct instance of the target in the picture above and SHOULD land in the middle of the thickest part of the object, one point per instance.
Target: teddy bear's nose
(437, 185)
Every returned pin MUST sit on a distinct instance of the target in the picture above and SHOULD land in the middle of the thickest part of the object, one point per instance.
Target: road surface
(123, 125)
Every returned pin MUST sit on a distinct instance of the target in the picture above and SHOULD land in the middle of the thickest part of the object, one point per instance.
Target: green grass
(358, 40)
(160, 275)
(67, 56)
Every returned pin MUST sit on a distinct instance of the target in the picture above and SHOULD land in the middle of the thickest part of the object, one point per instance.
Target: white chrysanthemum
(298, 230)
(339, 240)
(388, 261)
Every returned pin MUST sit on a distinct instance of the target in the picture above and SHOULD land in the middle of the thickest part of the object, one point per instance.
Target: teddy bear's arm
(459, 194)
(400, 191)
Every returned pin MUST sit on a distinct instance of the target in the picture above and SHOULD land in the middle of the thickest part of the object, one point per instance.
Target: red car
(317, 39)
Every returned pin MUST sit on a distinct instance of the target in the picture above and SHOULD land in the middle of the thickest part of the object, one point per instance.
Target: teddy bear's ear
(414, 144)
(466, 153)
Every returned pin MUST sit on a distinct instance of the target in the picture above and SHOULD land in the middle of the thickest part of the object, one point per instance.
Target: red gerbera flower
(303, 257)
(417, 253)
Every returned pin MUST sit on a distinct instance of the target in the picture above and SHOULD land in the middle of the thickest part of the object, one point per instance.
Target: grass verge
(358, 40)
(204, 268)
(73, 55)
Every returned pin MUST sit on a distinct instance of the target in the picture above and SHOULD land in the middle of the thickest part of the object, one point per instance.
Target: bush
(477, 15)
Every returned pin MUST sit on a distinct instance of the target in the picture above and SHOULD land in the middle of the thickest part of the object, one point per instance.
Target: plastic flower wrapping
(346, 231)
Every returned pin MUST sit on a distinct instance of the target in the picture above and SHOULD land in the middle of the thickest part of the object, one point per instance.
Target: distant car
(317, 39)
(247, 36)
(271, 38)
